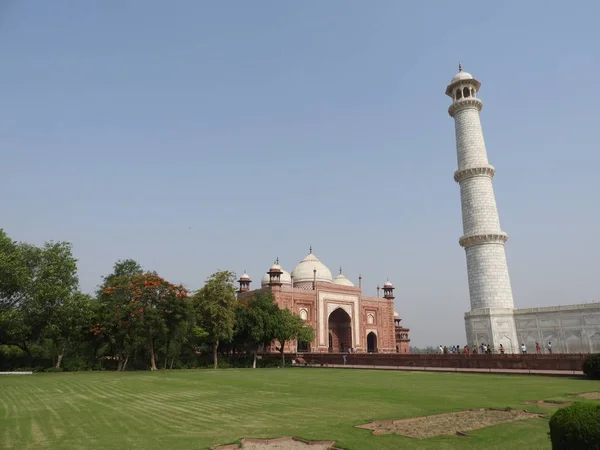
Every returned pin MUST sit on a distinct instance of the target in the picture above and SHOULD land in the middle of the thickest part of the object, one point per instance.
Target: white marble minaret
(490, 320)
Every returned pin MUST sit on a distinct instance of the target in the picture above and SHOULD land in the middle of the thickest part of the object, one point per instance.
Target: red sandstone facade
(344, 320)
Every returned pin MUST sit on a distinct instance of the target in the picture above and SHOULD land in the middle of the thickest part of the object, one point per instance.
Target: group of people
(486, 349)
(538, 349)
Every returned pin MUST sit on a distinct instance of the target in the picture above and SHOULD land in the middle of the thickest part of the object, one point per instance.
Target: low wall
(572, 362)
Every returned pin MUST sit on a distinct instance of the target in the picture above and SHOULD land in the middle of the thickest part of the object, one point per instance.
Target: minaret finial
(459, 67)
(310, 249)
(340, 270)
(277, 260)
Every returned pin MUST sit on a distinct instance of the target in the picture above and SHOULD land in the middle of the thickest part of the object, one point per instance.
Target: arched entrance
(371, 342)
(340, 331)
(302, 347)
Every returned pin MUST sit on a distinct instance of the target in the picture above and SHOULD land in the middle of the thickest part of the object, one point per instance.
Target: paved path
(555, 373)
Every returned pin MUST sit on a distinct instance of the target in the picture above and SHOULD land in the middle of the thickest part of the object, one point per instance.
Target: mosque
(342, 317)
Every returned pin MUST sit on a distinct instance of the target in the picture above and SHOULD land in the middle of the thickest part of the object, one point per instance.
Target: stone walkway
(554, 373)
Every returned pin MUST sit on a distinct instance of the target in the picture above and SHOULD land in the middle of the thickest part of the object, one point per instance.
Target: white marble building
(493, 318)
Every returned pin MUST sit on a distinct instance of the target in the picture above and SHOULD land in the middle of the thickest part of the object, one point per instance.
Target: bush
(591, 366)
(576, 427)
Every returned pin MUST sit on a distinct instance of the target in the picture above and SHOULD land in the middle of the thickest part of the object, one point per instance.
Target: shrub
(591, 366)
(576, 427)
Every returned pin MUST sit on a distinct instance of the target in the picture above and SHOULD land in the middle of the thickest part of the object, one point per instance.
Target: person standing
(523, 348)
(549, 347)
(501, 349)
(538, 350)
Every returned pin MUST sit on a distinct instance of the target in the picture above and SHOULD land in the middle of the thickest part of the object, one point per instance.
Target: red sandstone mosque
(343, 318)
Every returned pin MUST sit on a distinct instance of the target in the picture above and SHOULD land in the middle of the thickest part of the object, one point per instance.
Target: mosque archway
(340, 331)
(303, 346)
(371, 342)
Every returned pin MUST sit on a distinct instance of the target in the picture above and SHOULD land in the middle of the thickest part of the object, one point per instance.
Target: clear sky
(195, 136)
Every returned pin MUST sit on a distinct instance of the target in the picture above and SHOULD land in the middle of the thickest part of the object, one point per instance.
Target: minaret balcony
(470, 172)
(465, 103)
(486, 238)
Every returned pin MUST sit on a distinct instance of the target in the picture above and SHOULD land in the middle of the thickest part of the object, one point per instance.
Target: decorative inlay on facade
(464, 103)
(469, 172)
(468, 241)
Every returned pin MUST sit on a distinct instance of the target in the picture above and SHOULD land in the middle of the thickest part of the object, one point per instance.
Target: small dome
(388, 284)
(275, 267)
(341, 280)
(396, 314)
(304, 271)
(461, 76)
(245, 276)
(284, 278)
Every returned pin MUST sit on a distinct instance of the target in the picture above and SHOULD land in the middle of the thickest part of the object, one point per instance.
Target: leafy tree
(290, 327)
(160, 306)
(14, 275)
(116, 311)
(256, 321)
(37, 281)
(69, 324)
(140, 309)
(214, 306)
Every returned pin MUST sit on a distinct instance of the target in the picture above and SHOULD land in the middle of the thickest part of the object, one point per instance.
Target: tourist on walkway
(538, 349)
(344, 358)
(549, 347)
(523, 348)
(501, 349)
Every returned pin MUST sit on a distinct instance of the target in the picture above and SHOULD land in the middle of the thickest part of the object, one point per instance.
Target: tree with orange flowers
(140, 309)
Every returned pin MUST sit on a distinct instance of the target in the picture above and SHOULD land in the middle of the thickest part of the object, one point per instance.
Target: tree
(214, 307)
(69, 324)
(117, 311)
(289, 327)
(161, 307)
(14, 275)
(256, 321)
(37, 281)
(139, 309)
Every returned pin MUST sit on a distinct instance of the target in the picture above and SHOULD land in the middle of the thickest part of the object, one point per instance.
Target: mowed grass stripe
(197, 409)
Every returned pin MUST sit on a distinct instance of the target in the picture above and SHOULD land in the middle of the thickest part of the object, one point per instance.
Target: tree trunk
(172, 361)
(125, 363)
(167, 354)
(152, 355)
(60, 357)
(215, 361)
(254, 362)
(282, 354)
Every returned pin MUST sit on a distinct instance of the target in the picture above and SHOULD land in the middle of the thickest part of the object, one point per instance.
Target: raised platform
(480, 363)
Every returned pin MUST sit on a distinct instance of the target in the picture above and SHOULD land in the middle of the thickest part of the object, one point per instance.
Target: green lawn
(197, 409)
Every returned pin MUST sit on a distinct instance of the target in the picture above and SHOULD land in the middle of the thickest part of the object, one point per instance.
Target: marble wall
(571, 328)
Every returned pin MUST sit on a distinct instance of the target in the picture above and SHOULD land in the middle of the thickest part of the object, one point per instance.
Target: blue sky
(195, 136)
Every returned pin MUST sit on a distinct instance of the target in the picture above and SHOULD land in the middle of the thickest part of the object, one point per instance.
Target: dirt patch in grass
(284, 443)
(548, 403)
(587, 395)
(448, 424)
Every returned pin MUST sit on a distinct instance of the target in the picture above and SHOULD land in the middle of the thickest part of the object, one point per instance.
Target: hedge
(576, 427)
(591, 366)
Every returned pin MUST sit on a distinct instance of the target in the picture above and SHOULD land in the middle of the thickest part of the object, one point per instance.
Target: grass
(197, 409)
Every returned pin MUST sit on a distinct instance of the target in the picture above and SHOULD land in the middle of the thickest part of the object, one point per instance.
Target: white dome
(388, 284)
(284, 278)
(245, 276)
(303, 272)
(275, 267)
(396, 314)
(341, 280)
(461, 76)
